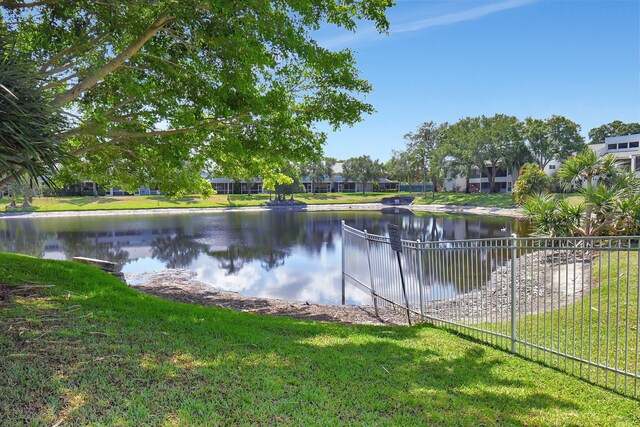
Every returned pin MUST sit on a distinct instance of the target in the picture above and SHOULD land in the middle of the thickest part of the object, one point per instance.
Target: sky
(445, 60)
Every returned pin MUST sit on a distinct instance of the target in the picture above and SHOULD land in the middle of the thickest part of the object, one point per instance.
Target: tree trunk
(492, 179)
(94, 187)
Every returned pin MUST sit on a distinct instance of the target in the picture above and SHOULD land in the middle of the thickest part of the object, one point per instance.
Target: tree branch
(66, 53)
(12, 4)
(91, 81)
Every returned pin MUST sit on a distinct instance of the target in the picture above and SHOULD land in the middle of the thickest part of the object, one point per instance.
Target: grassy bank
(56, 204)
(79, 347)
(600, 327)
(501, 200)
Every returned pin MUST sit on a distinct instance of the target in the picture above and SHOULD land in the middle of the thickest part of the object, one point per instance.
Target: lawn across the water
(56, 204)
(500, 200)
(78, 347)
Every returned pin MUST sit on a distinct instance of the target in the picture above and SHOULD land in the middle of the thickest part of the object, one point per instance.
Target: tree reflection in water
(237, 250)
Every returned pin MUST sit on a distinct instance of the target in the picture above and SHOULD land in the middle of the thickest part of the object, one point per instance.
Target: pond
(288, 255)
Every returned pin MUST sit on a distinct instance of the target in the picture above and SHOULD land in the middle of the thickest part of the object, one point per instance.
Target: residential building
(334, 184)
(479, 181)
(625, 148)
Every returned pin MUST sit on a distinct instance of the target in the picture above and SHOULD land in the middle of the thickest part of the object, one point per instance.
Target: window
(634, 144)
(623, 145)
(612, 146)
(552, 166)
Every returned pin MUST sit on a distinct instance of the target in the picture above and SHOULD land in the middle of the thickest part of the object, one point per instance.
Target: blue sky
(445, 60)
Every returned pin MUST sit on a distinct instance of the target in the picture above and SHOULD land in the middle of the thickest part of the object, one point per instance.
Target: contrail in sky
(370, 33)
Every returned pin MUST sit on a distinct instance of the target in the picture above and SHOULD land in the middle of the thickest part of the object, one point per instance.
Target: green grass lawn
(600, 327)
(53, 204)
(502, 200)
(79, 347)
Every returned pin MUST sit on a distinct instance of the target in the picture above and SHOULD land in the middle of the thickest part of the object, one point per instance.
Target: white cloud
(369, 33)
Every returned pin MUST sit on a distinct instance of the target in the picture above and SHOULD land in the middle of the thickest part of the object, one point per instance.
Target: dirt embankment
(180, 285)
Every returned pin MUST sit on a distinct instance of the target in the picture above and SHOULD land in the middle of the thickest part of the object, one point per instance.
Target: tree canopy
(424, 147)
(362, 170)
(615, 128)
(150, 87)
(318, 170)
(486, 143)
(554, 138)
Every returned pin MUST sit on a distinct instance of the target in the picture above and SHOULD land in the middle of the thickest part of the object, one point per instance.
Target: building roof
(622, 138)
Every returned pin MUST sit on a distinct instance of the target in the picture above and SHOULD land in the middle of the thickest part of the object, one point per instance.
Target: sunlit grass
(601, 327)
(89, 350)
(54, 204)
(502, 200)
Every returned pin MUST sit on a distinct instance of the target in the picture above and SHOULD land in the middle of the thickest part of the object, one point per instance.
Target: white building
(479, 181)
(625, 148)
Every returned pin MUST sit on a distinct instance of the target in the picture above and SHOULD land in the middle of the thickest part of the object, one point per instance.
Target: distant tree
(27, 189)
(487, 143)
(460, 147)
(318, 170)
(362, 170)
(615, 128)
(283, 182)
(399, 167)
(424, 148)
(501, 141)
(532, 180)
(554, 138)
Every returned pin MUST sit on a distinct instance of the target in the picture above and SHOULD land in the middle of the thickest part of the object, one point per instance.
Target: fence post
(373, 289)
(343, 262)
(420, 277)
(514, 239)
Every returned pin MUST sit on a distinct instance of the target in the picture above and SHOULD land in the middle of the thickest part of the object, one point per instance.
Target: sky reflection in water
(287, 255)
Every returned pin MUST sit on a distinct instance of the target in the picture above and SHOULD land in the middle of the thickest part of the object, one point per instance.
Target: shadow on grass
(82, 201)
(125, 358)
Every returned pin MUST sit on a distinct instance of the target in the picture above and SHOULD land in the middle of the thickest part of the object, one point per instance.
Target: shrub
(532, 180)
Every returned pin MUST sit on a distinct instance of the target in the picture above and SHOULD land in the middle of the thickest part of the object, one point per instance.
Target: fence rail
(571, 303)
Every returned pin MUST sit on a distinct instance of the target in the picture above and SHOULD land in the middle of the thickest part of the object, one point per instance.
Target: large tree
(424, 148)
(615, 128)
(460, 146)
(486, 143)
(318, 170)
(400, 167)
(152, 86)
(362, 170)
(554, 138)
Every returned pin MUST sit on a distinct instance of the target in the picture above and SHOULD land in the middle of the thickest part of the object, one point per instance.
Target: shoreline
(434, 208)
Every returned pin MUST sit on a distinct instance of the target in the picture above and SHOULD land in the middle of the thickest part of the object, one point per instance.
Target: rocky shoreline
(543, 282)
(179, 285)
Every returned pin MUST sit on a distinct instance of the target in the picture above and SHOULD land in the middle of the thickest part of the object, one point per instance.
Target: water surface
(287, 255)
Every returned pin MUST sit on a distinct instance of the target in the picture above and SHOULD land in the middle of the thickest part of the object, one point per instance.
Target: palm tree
(610, 207)
(29, 124)
(598, 199)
